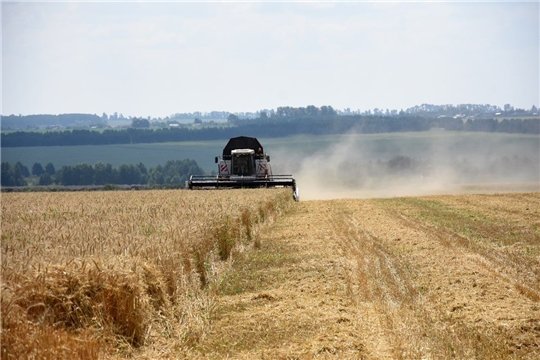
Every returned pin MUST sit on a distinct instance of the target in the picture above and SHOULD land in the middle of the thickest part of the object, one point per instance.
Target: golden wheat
(87, 275)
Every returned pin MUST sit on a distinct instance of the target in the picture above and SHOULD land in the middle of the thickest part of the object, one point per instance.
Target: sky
(160, 58)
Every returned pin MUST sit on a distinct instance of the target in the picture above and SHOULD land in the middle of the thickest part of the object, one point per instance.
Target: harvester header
(243, 164)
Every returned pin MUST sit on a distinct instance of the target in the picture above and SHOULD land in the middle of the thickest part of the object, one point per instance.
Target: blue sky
(156, 59)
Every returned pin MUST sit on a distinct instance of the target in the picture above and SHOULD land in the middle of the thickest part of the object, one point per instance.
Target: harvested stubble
(87, 275)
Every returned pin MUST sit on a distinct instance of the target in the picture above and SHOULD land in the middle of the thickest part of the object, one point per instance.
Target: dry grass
(90, 275)
(287, 300)
(510, 246)
(382, 281)
(447, 278)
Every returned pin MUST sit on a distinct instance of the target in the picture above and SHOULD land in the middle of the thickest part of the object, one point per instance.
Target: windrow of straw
(89, 275)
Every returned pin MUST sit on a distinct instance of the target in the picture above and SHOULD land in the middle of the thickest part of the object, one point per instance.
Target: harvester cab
(243, 164)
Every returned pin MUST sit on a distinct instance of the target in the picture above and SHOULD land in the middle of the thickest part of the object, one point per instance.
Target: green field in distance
(286, 151)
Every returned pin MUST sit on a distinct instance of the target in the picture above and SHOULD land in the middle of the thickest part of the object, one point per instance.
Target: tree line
(16, 175)
(289, 122)
(63, 120)
(172, 172)
(45, 121)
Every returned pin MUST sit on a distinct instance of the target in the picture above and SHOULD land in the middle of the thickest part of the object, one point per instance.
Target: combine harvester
(243, 165)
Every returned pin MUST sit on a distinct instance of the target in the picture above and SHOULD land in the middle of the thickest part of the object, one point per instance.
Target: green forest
(173, 172)
(280, 125)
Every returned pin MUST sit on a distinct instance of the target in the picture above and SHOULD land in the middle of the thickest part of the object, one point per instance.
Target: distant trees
(400, 164)
(130, 174)
(212, 115)
(270, 126)
(310, 110)
(140, 123)
(104, 174)
(287, 121)
(49, 169)
(171, 173)
(508, 108)
(37, 169)
(45, 175)
(12, 175)
(22, 169)
(232, 119)
(82, 174)
(174, 172)
(45, 179)
(13, 122)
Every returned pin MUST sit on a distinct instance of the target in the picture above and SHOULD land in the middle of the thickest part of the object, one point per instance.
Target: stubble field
(250, 274)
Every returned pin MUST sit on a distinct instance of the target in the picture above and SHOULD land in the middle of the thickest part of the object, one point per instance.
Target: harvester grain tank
(243, 164)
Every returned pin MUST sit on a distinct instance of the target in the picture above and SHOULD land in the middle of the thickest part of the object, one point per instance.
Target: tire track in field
(365, 279)
(301, 308)
(491, 242)
(462, 287)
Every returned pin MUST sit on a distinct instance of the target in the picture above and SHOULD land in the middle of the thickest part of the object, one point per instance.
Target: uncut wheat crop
(94, 274)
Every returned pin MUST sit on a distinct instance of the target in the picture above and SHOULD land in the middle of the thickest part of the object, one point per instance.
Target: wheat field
(93, 275)
(247, 274)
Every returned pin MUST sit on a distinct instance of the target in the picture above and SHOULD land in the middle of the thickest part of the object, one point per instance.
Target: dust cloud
(368, 166)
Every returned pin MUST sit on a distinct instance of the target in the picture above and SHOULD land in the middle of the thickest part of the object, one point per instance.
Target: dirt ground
(429, 277)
